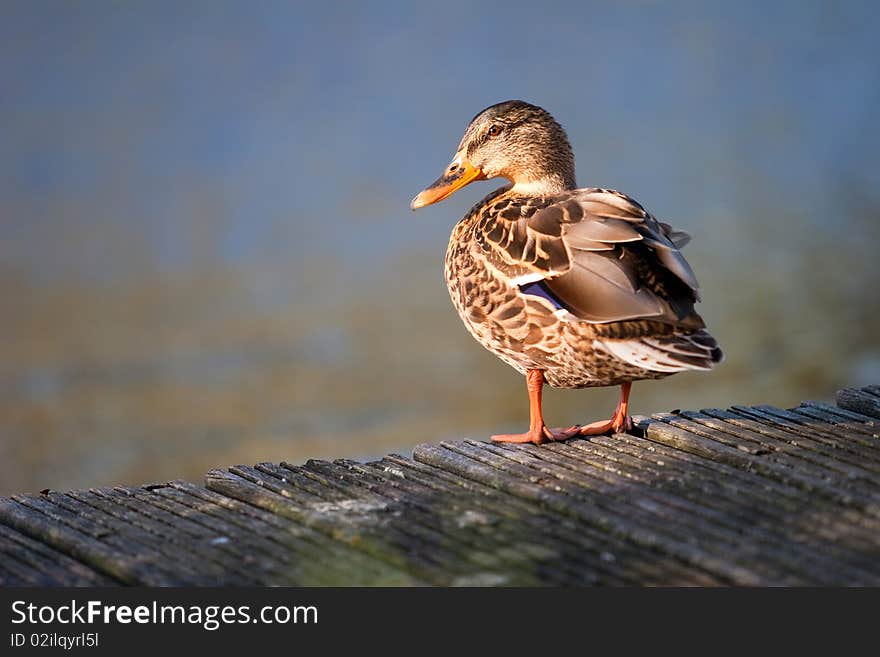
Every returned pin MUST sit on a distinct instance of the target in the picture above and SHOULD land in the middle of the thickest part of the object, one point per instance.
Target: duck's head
(514, 140)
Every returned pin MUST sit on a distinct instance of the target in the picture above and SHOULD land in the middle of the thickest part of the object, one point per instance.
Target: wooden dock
(748, 495)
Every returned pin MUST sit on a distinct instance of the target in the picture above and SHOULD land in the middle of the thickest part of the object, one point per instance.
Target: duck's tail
(668, 353)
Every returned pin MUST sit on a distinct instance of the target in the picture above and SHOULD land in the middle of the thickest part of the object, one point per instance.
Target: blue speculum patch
(538, 289)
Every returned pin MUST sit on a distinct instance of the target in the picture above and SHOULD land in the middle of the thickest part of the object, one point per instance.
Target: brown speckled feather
(618, 297)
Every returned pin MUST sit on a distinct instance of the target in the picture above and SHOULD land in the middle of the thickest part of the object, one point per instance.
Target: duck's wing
(597, 254)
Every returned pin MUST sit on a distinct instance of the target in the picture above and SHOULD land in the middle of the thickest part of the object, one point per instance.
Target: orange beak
(457, 175)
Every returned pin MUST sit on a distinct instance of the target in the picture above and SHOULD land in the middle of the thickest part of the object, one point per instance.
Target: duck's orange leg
(620, 421)
(538, 431)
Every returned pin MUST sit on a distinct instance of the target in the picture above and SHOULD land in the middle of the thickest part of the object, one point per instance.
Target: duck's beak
(458, 174)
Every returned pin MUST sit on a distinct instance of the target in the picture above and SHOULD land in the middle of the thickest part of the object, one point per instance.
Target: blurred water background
(206, 251)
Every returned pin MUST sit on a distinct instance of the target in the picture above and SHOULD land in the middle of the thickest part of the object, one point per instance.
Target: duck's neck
(545, 185)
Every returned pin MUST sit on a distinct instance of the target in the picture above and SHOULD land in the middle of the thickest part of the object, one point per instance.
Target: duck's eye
(494, 130)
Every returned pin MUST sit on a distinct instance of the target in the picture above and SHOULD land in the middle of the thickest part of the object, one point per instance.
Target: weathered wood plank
(485, 550)
(850, 452)
(841, 420)
(410, 525)
(613, 560)
(865, 401)
(748, 495)
(27, 562)
(120, 560)
(778, 453)
(804, 425)
(484, 466)
(258, 560)
(833, 414)
(120, 526)
(709, 525)
(342, 523)
(813, 451)
(767, 526)
(688, 436)
(195, 546)
(320, 560)
(508, 519)
(362, 520)
(491, 535)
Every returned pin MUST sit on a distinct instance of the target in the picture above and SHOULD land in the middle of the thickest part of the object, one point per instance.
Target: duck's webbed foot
(538, 431)
(620, 422)
(614, 425)
(537, 435)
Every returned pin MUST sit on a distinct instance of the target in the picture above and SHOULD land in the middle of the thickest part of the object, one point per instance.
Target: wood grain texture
(752, 495)
(865, 401)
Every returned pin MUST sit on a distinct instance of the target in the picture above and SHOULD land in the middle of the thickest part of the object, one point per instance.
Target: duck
(572, 287)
